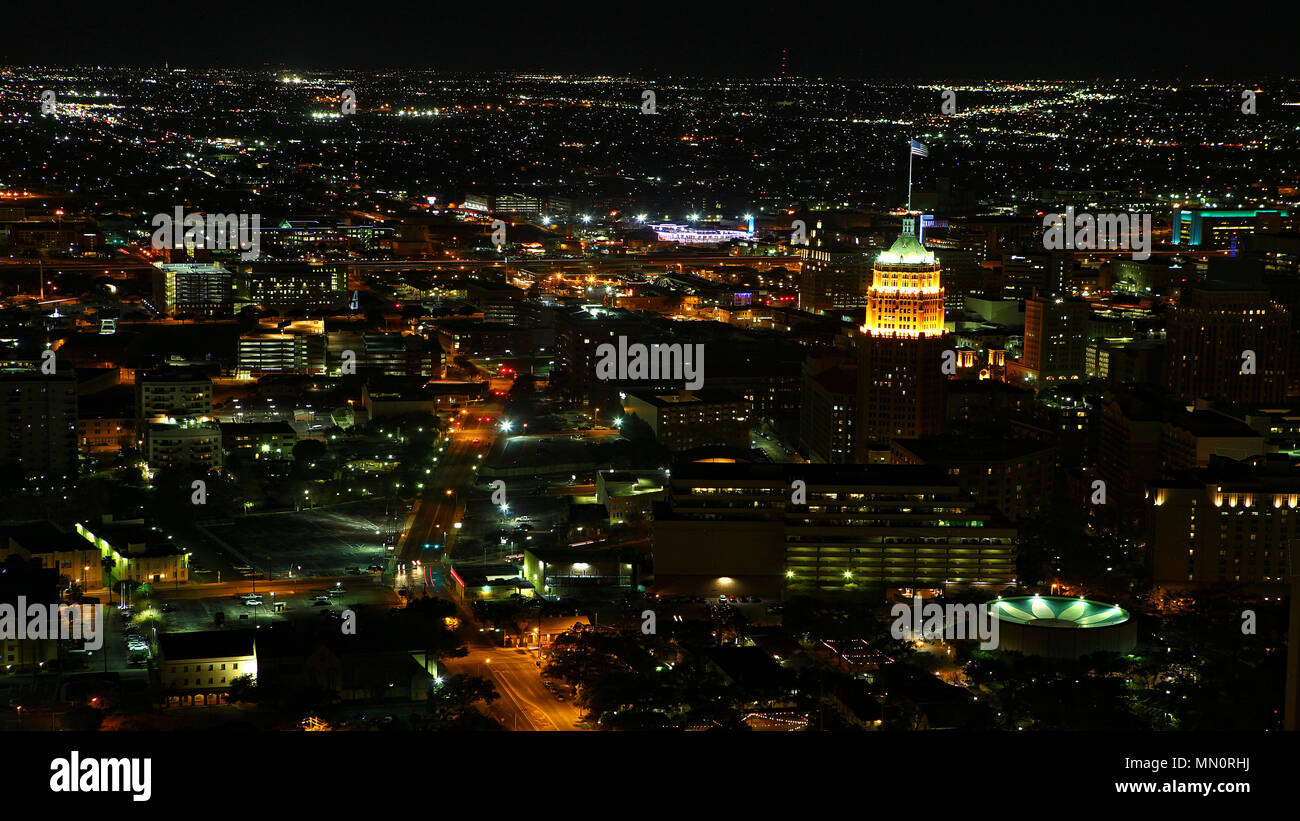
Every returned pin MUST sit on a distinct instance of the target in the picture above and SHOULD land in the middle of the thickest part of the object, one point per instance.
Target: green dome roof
(1057, 611)
(906, 250)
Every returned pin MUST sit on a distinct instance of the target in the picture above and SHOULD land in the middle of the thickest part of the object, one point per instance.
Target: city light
(909, 394)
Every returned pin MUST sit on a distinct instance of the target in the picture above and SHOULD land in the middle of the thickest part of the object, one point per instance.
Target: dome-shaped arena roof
(1058, 612)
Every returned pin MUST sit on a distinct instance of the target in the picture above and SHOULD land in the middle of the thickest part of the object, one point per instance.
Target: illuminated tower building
(900, 349)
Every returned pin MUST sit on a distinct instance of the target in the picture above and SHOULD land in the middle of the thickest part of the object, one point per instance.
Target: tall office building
(579, 332)
(1025, 273)
(1056, 340)
(961, 275)
(185, 288)
(1228, 342)
(828, 410)
(38, 414)
(900, 347)
(832, 275)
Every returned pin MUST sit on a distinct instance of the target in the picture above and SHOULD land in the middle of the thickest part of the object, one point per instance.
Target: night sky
(840, 39)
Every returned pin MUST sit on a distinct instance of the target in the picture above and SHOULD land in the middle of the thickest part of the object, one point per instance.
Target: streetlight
(506, 426)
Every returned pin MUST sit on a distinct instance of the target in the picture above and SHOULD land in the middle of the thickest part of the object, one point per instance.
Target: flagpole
(910, 154)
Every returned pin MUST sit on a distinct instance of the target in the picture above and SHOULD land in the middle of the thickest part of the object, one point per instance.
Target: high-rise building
(833, 280)
(1123, 361)
(900, 347)
(828, 411)
(579, 331)
(1025, 273)
(38, 414)
(1056, 341)
(1228, 523)
(1228, 342)
(178, 394)
(961, 275)
(682, 420)
(1145, 434)
(192, 288)
(836, 270)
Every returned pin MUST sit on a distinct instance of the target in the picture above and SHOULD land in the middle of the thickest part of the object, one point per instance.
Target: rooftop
(949, 449)
(1058, 612)
(208, 644)
(702, 397)
(906, 250)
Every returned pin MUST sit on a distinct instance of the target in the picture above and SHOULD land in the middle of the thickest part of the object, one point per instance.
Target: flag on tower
(920, 149)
